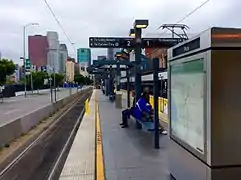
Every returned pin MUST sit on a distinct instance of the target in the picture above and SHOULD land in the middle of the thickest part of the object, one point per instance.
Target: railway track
(44, 158)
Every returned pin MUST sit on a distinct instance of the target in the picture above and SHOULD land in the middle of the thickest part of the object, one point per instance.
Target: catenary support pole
(137, 68)
(156, 92)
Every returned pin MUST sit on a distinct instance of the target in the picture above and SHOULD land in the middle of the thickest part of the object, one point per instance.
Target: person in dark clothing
(127, 113)
(143, 110)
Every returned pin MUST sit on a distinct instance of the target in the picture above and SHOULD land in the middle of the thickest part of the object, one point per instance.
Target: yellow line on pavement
(100, 172)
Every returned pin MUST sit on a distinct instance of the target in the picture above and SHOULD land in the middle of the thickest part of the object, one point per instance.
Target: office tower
(63, 56)
(84, 56)
(53, 52)
(37, 50)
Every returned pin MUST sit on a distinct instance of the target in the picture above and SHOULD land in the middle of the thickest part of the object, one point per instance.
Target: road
(15, 107)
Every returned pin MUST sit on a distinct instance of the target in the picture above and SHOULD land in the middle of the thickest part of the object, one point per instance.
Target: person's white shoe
(164, 132)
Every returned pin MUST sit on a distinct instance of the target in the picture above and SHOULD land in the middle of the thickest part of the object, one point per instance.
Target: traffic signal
(27, 66)
(23, 69)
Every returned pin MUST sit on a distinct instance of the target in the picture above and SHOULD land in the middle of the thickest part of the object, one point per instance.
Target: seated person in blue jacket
(143, 110)
(127, 112)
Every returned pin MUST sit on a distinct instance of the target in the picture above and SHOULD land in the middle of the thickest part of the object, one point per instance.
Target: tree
(7, 68)
(58, 79)
(38, 79)
(79, 78)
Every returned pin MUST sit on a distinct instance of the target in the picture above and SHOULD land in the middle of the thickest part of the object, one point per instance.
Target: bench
(147, 125)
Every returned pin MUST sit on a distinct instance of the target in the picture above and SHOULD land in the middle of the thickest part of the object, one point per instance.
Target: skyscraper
(63, 56)
(84, 56)
(53, 52)
(37, 49)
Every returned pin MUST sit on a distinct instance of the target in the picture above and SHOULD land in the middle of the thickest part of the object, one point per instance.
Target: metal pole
(70, 88)
(128, 88)
(111, 90)
(118, 96)
(137, 67)
(24, 62)
(55, 92)
(118, 73)
(137, 63)
(161, 94)
(156, 90)
(54, 87)
(51, 91)
(31, 76)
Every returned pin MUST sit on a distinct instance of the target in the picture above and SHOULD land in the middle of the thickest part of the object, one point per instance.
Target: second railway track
(44, 157)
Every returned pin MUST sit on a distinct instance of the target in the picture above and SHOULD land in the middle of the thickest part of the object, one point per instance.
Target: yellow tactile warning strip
(100, 173)
(87, 107)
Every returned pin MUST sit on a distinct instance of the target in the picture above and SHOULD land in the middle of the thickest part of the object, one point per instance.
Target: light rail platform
(102, 150)
(128, 153)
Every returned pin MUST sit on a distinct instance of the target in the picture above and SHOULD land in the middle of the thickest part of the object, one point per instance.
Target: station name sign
(190, 46)
(116, 42)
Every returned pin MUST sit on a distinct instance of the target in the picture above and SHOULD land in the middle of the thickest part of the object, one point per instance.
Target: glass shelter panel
(187, 103)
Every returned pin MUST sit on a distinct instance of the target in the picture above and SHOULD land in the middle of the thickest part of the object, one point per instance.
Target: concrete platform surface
(80, 163)
(15, 107)
(129, 153)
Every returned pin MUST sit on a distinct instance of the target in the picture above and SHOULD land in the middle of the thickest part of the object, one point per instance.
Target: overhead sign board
(160, 42)
(115, 42)
(110, 42)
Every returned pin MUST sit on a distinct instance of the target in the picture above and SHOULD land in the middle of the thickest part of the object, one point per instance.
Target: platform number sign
(128, 43)
(114, 42)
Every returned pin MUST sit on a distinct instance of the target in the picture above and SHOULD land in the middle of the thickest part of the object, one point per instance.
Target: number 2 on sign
(128, 43)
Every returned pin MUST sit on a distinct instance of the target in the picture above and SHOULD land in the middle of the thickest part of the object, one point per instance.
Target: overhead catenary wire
(58, 22)
(182, 19)
(189, 14)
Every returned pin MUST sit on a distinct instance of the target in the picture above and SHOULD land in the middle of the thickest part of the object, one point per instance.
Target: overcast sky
(82, 19)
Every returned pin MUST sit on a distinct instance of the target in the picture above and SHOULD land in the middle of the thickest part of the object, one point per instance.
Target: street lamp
(132, 33)
(138, 25)
(24, 56)
(141, 24)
